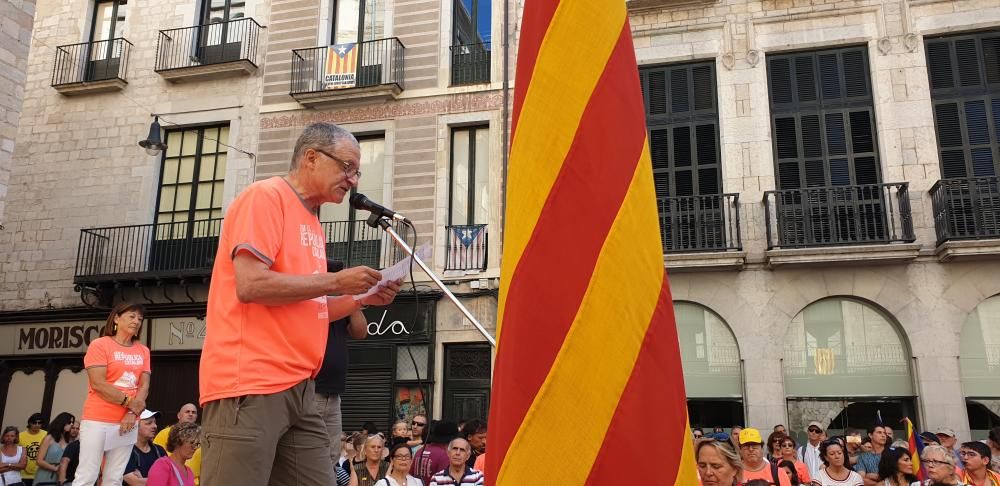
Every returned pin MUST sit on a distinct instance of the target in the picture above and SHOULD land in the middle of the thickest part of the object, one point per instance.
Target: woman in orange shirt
(118, 371)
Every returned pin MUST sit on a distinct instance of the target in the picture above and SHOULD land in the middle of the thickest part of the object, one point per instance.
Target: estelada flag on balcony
(341, 69)
(467, 247)
(588, 352)
(916, 447)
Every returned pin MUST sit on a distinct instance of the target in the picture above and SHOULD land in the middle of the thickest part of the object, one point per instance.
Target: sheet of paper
(114, 440)
(400, 270)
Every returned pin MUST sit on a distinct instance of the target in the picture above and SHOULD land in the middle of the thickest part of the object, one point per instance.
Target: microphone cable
(425, 395)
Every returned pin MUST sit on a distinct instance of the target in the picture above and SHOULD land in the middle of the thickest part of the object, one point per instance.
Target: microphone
(360, 201)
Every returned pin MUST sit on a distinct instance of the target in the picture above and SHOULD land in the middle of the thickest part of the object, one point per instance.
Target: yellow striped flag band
(588, 353)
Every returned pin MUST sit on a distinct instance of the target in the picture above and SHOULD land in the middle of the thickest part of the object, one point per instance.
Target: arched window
(979, 356)
(711, 361)
(845, 362)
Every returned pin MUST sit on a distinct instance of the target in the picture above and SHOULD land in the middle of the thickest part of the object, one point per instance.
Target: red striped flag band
(588, 352)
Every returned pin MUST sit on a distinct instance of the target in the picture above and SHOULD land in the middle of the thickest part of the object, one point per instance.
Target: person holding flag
(581, 147)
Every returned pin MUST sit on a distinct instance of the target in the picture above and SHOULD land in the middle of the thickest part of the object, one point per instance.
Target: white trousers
(92, 453)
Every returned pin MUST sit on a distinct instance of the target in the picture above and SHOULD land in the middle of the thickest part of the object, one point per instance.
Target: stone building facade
(804, 318)
(15, 38)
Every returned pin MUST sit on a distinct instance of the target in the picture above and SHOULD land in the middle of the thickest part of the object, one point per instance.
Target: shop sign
(178, 334)
(397, 319)
(48, 337)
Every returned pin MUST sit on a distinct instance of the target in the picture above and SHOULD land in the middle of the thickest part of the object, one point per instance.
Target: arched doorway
(846, 362)
(979, 357)
(711, 361)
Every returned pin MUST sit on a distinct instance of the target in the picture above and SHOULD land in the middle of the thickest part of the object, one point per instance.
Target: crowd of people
(857, 458)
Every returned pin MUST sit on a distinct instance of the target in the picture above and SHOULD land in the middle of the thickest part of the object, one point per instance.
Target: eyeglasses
(349, 170)
(194, 443)
(788, 445)
(402, 457)
(418, 424)
(750, 446)
(35, 422)
(814, 430)
(968, 453)
(933, 463)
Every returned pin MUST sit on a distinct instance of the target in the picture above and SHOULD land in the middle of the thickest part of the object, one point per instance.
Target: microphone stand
(376, 221)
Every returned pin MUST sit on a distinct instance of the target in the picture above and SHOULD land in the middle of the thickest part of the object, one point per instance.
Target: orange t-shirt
(125, 366)
(254, 349)
(765, 474)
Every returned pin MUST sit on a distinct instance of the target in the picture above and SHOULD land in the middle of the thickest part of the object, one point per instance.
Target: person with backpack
(754, 465)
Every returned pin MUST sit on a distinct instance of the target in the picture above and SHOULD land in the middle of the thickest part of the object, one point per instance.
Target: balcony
(185, 251)
(470, 64)
(465, 248)
(91, 67)
(701, 232)
(209, 51)
(363, 72)
(840, 224)
(967, 217)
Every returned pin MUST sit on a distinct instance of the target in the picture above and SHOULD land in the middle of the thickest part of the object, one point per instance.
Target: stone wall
(16, 18)
(77, 163)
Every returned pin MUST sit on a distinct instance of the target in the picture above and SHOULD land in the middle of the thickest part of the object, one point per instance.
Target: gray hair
(320, 135)
(724, 450)
(468, 447)
(946, 454)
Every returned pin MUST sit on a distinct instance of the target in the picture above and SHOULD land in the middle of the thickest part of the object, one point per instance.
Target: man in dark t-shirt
(144, 452)
(70, 460)
(332, 377)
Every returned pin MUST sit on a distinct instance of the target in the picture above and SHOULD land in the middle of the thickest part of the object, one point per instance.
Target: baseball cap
(815, 424)
(750, 436)
(147, 414)
(720, 436)
(945, 431)
(929, 438)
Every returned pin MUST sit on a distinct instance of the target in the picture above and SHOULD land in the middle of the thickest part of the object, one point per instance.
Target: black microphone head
(359, 201)
(333, 266)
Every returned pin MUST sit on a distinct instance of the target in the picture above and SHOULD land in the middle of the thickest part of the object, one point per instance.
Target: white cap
(147, 414)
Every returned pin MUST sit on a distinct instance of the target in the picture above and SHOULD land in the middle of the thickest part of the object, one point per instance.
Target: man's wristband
(124, 400)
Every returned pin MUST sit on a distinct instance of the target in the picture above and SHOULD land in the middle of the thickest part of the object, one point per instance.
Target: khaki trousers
(274, 440)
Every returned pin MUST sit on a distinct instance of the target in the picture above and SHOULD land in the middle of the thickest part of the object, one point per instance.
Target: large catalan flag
(588, 353)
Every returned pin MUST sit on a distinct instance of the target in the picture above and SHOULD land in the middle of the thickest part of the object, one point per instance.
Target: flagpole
(376, 221)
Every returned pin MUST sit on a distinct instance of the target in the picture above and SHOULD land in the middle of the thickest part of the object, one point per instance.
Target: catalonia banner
(341, 68)
(588, 361)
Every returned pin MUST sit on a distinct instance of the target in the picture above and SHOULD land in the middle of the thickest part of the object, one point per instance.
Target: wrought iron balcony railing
(700, 223)
(470, 64)
(370, 63)
(187, 249)
(91, 61)
(215, 43)
(839, 215)
(967, 208)
(466, 247)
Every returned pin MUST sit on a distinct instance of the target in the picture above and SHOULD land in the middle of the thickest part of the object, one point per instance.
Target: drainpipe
(505, 130)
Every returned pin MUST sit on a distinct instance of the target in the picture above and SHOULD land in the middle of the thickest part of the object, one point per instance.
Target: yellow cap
(750, 436)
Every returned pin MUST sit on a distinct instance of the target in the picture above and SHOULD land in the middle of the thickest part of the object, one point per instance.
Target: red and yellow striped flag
(588, 369)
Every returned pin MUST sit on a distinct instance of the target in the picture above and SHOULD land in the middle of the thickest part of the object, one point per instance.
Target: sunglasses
(418, 424)
(814, 430)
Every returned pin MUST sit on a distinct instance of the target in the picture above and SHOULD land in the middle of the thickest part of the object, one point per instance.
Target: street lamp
(153, 144)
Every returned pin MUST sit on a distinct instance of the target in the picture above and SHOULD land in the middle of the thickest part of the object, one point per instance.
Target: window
(109, 20)
(472, 22)
(108, 24)
(191, 182)
(683, 118)
(216, 11)
(979, 358)
(964, 76)
(822, 119)
(348, 237)
(469, 195)
(356, 21)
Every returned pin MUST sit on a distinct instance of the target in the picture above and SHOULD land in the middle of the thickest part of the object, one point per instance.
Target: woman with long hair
(13, 460)
(118, 370)
(994, 442)
(896, 467)
(400, 458)
(372, 468)
(171, 470)
(836, 473)
(774, 446)
(51, 450)
(793, 475)
(718, 463)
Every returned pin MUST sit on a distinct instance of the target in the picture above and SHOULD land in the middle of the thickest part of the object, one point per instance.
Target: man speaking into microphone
(268, 319)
